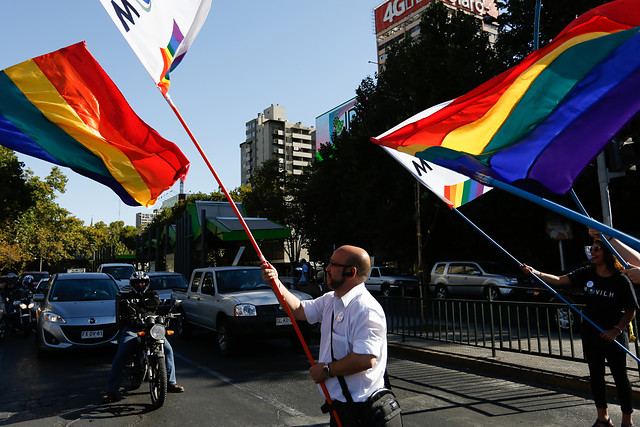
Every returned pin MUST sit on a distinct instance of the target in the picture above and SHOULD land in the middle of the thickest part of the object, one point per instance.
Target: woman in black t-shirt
(611, 304)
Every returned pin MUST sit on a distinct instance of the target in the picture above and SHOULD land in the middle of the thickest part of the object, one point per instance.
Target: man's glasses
(335, 264)
(595, 248)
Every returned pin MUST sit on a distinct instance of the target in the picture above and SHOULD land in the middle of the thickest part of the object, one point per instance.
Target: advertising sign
(391, 12)
(334, 122)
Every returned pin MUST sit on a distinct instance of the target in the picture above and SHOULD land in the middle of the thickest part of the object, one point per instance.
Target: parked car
(119, 271)
(471, 279)
(237, 304)
(78, 310)
(389, 279)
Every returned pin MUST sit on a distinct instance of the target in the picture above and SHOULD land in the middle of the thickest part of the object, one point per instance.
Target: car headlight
(53, 317)
(157, 331)
(245, 310)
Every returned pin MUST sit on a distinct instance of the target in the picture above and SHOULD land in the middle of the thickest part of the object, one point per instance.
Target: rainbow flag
(168, 57)
(540, 123)
(63, 108)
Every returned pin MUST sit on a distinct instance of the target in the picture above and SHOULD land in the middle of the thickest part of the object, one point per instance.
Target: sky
(308, 56)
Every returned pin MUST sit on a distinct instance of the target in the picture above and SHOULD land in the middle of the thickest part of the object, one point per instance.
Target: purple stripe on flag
(594, 128)
(594, 89)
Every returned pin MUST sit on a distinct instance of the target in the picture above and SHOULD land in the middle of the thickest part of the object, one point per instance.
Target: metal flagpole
(585, 220)
(543, 283)
(253, 243)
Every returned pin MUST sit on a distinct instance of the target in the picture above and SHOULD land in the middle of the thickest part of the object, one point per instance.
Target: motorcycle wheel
(158, 381)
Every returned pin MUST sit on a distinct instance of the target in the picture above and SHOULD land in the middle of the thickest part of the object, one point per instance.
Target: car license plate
(91, 334)
(283, 321)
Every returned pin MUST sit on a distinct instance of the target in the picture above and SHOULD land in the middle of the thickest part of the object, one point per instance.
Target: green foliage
(358, 194)
(15, 192)
(274, 195)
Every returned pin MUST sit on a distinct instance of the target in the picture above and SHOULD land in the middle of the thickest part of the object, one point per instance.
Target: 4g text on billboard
(390, 12)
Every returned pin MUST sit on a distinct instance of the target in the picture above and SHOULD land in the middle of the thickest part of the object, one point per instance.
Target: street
(266, 384)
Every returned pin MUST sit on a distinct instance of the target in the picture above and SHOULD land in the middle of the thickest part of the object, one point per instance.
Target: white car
(121, 272)
(387, 279)
(234, 302)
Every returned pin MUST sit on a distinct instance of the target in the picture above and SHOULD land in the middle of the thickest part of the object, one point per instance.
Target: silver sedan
(78, 310)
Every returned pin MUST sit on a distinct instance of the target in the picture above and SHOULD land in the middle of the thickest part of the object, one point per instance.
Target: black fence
(539, 328)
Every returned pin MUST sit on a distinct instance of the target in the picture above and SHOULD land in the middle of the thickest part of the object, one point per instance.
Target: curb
(505, 370)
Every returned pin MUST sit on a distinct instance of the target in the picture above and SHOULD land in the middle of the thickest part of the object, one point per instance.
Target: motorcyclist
(11, 292)
(129, 305)
(27, 283)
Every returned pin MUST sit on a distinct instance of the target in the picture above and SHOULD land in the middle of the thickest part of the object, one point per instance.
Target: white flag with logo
(159, 31)
(453, 188)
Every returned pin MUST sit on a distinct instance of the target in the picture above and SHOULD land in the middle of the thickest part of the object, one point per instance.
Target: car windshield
(120, 272)
(39, 276)
(168, 282)
(83, 290)
(42, 286)
(240, 280)
(389, 271)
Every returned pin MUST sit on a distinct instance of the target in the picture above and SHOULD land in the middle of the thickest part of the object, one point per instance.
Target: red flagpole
(253, 243)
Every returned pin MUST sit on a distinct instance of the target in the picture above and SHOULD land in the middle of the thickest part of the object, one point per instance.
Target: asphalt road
(266, 384)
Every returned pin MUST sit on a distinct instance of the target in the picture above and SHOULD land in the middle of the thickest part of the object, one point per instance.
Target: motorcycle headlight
(157, 331)
(53, 317)
(30, 305)
(23, 306)
(243, 310)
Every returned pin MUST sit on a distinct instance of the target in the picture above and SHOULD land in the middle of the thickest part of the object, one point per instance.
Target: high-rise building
(397, 19)
(271, 136)
(143, 218)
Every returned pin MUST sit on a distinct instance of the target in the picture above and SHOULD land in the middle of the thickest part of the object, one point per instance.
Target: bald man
(359, 338)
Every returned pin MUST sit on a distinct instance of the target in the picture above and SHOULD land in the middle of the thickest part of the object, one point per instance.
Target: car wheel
(384, 290)
(441, 292)
(564, 318)
(225, 342)
(491, 293)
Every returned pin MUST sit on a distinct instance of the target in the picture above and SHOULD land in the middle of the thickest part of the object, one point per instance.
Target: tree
(273, 196)
(358, 194)
(15, 193)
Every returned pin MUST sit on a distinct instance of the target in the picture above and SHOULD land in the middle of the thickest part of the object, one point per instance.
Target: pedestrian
(304, 275)
(357, 348)
(611, 304)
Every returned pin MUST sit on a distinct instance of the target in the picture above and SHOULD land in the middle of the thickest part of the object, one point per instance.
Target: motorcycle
(148, 363)
(20, 316)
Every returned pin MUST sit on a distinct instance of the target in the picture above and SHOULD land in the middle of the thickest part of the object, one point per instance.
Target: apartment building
(270, 136)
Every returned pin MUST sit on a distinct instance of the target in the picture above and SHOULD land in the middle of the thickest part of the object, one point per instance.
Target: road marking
(291, 411)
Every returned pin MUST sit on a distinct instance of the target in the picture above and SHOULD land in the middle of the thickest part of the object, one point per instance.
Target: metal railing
(543, 329)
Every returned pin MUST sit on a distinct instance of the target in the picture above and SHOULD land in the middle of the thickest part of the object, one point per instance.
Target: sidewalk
(565, 374)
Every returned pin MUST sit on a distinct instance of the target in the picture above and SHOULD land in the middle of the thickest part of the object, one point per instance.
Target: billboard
(391, 12)
(334, 122)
